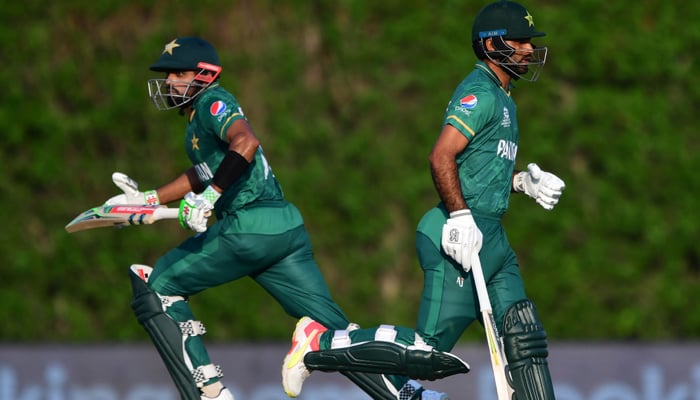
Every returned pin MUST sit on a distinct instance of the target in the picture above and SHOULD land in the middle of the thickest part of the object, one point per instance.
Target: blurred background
(347, 98)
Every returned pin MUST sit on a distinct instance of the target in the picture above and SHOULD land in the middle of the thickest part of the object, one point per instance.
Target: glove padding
(461, 238)
(131, 193)
(195, 210)
(544, 187)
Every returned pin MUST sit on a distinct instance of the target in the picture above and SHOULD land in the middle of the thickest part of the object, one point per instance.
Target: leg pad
(525, 345)
(387, 358)
(164, 332)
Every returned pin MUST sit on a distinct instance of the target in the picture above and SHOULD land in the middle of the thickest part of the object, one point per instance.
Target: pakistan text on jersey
(507, 149)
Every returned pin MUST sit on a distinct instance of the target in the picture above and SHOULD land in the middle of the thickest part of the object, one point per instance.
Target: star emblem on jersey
(195, 142)
(170, 46)
(530, 20)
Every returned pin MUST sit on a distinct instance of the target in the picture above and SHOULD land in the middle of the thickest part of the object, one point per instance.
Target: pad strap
(385, 333)
(341, 338)
(193, 328)
(206, 372)
(168, 301)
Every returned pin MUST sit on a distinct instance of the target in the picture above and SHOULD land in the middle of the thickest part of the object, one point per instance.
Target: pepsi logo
(217, 107)
(468, 102)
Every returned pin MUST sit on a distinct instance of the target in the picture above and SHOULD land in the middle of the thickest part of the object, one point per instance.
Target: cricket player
(473, 170)
(257, 232)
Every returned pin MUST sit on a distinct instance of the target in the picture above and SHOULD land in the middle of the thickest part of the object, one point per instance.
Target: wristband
(231, 168)
(459, 213)
(211, 194)
(151, 197)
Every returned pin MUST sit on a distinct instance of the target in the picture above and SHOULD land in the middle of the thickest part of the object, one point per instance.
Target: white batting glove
(131, 192)
(195, 209)
(461, 238)
(544, 187)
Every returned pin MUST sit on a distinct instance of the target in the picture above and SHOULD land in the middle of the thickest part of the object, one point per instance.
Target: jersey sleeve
(469, 110)
(219, 112)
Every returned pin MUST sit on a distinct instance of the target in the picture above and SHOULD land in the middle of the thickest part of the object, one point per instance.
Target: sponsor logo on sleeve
(468, 102)
(217, 108)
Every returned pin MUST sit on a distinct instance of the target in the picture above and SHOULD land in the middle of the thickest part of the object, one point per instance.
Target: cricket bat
(499, 364)
(120, 215)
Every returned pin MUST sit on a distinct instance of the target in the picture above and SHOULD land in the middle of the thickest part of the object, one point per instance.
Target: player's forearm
(177, 188)
(447, 184)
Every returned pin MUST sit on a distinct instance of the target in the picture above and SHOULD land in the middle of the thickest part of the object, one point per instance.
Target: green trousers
(449, 301)
(268, 243)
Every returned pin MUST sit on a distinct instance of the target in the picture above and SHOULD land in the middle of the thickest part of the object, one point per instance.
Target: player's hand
(195, 210)
(131, 193)
(461, 238)
(544, 187)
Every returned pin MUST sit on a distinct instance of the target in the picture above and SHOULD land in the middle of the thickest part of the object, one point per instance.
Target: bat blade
(499, 363)
(119, 215)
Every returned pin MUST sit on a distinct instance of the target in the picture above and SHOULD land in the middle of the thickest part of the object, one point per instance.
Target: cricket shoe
(224, 394)
(305, 339)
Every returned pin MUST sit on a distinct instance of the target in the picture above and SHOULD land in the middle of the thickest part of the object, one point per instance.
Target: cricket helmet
(504, 18)
(507, 20)
(184, 54)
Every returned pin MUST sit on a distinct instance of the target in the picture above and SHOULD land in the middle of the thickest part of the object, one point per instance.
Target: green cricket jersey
(486, 115)
(215, 110)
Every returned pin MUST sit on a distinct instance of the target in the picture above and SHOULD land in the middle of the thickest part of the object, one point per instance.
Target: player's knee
(147, 303)
(153, 312)
(524, 337)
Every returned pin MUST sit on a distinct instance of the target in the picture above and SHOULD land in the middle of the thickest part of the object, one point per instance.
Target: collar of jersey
(199, 96)
(485, 68)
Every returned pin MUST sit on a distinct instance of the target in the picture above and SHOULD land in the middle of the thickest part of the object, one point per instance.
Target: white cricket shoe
(305, 339)
(224, 394)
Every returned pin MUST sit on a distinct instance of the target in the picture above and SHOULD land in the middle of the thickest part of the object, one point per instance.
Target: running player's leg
(160, 304)
(298, 285)
(390, 349)
(296, 282)
(448, 305)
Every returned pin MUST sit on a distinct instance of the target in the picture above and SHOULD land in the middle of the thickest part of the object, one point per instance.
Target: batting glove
(195, 209)
(461, 238)
(544, 187)
(131, 192)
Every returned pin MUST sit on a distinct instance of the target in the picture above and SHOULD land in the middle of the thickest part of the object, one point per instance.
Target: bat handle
(165, 213)
(480, 283)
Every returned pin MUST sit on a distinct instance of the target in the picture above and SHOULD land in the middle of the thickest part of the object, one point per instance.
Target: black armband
(231, 168)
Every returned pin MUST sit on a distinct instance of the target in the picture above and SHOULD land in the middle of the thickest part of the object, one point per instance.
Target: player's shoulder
(216, 92)
(471, 93)
(475, 84)
(216, 100)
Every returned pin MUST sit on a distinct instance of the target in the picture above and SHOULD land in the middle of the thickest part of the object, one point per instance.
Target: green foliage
(347, 98)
